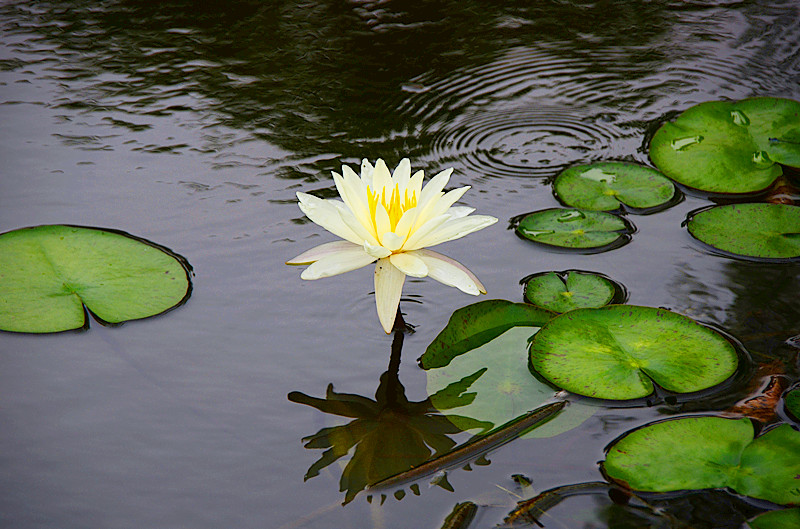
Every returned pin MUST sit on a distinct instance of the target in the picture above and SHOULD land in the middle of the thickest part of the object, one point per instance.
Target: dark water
(193, 124)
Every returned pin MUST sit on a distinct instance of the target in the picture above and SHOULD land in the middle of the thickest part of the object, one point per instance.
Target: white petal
(326, 214)
(451, 197)
(366, 171)
(434, 187)
(415, 184)
(409, 264)
(318, 252)
(450, 272)
(381, 178)
(455, 229)
(388, 287)
(383, 224)
(415, 240)
(402, 174)
(378, 252)
(338, 263)
(457, 212)
(392, 242)
(363, 233)
(405, 223)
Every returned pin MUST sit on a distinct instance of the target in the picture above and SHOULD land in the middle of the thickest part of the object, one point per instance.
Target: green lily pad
(783, 519)
(500, 387)
(474, 325)
(575, 228)
(730, 147)
(707, 453)
(49, 273)
(565, 291)
(617, 352)
(792, 403)
(765, 231)
(606, 186)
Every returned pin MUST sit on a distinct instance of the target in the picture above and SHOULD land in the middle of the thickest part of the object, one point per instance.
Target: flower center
(395, 204)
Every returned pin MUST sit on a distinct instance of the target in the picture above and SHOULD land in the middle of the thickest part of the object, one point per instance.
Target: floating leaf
(565, 291)
(501, 386)
(766, 231)
(792, 403)
(474, 325)
(618, 351)
(606, 186)
(575, 228)
(784, 519)
(708, 452)
(49, 273)
(730, 147)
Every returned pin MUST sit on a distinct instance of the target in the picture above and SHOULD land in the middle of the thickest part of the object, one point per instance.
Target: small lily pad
(565, 291)
(617, 352)
(474, 325)
(782, 519)
(606, 186)
(764, 231)
(500, 387)
(730, 147)
(575, 228)
(49, 273)
(708, 452)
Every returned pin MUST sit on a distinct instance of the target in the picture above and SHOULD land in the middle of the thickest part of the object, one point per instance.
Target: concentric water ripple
(537, 142)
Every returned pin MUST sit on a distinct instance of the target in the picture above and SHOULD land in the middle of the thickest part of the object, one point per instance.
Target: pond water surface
(193, 124)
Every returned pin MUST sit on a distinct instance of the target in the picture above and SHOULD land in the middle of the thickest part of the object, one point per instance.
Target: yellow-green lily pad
(618, 352)
(48, 274)
(708, 453)
(781, 519)
(575, 228)
(763, 231)
(607, 186)
(730, 147)
(570, 290)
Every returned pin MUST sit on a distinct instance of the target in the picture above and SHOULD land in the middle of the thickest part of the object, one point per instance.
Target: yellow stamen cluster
(396, 204)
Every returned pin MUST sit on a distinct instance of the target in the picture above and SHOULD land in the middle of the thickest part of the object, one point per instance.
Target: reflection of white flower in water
(391, 218)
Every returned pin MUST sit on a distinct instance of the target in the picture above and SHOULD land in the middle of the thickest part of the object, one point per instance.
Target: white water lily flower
(391, 219)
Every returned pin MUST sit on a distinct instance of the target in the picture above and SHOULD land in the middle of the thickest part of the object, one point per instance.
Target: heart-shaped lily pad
(565, 291)
(706, 453)
(606, 186)
(730, 147)
(474, 325)
(500, 386)
(764, 231)
(782, 519)
(617, 352)
(575, 228)
(49, 273)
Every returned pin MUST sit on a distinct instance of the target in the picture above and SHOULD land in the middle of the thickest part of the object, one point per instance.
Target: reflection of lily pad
(730, 147)
(770, 231)
(474, 325)
(48, 274)
(618, 351)
(606, 186)
(709, 452)
(562, 292)
(575, 228)
(784, 519)
(502, 386)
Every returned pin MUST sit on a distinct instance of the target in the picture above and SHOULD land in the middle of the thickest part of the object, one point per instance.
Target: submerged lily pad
(767, 231)
(606, 186)
(619, 351)
(49, 273)
(575, 228)
(474, 325)
(562, 292)
(783, 519)
(708, 452)
(500, 386)
(730, 147)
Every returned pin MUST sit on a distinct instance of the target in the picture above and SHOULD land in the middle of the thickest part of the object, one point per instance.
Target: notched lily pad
(706, 453)
(572, 289)
(761, 231)
(590, 231)
(49, 273)
(607, 186)
(618, 352)
(730, 147)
